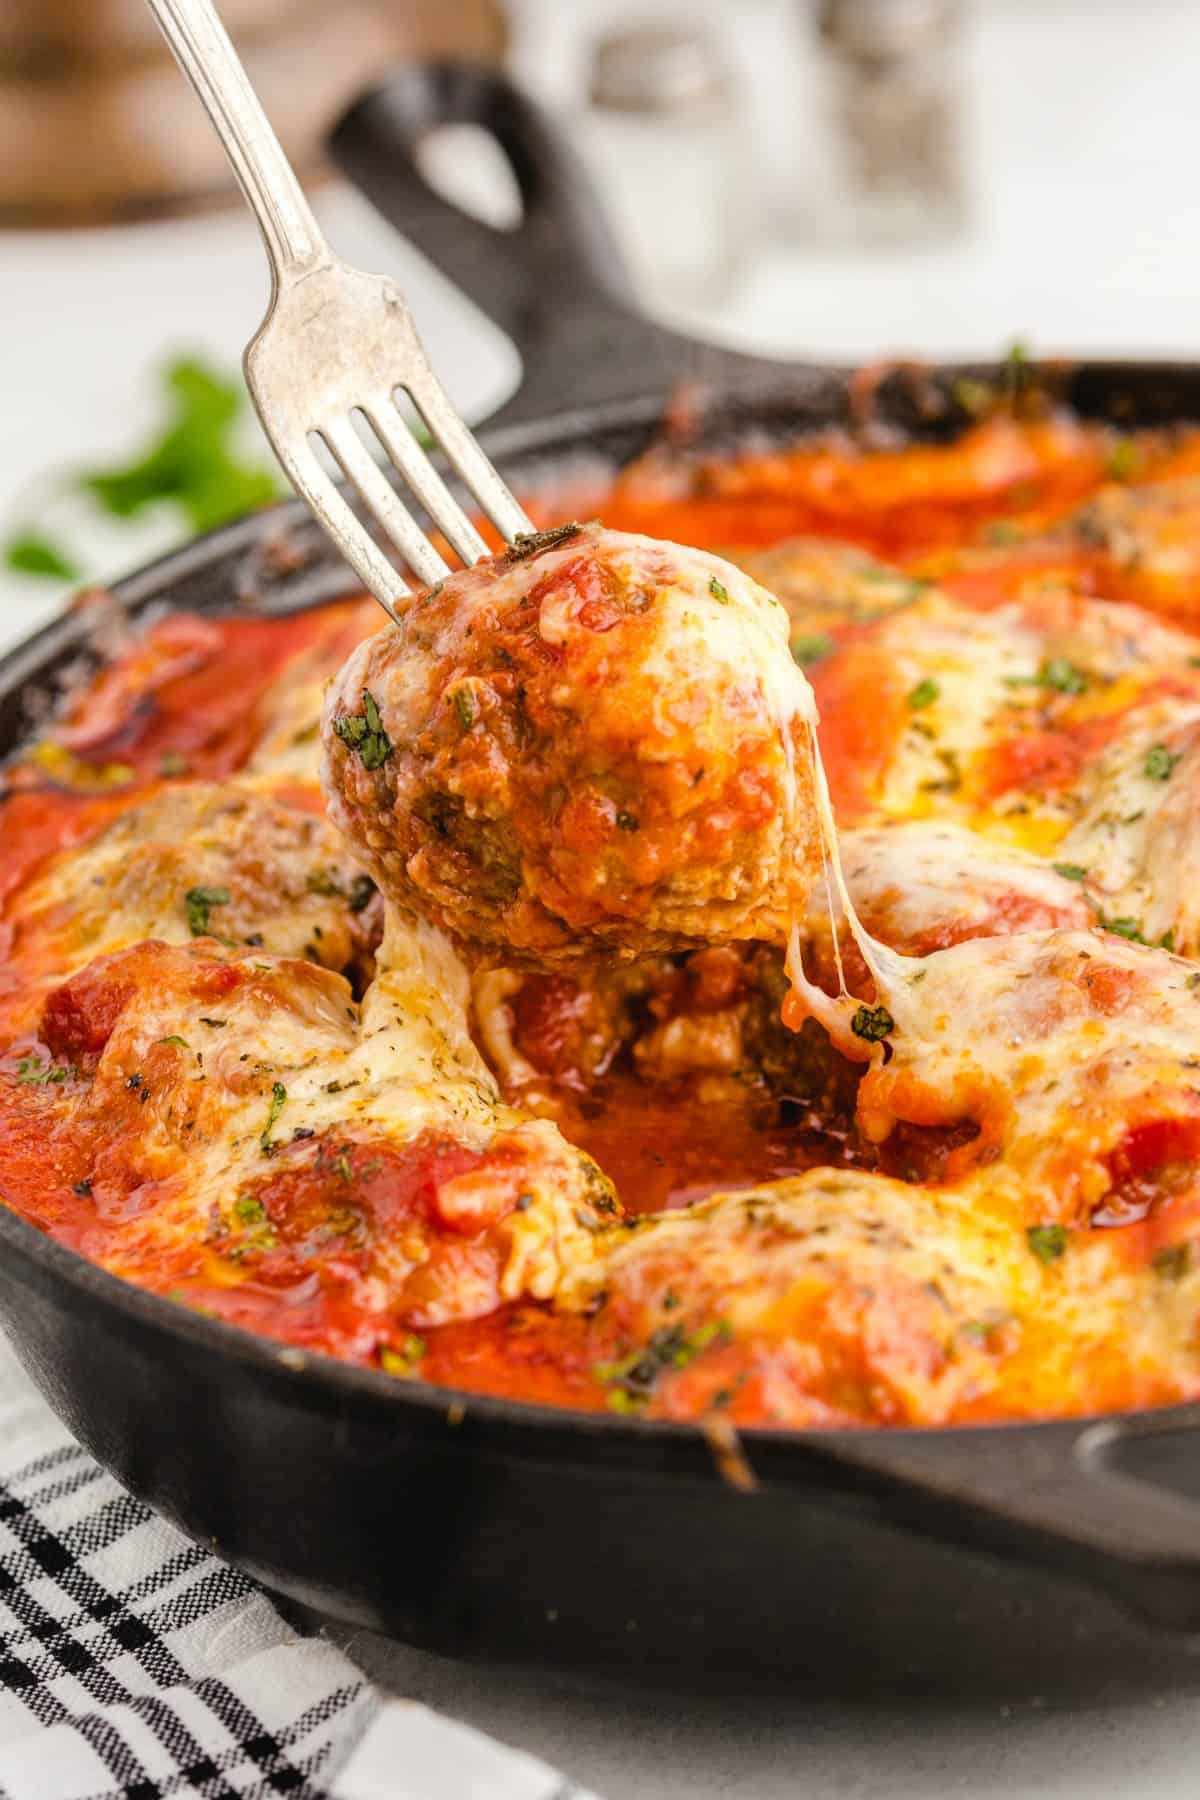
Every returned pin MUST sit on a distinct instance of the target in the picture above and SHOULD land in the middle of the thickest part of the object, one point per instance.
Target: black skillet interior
(483, 1527)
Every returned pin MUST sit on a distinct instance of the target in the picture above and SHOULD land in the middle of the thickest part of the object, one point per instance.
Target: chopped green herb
(974, 397)
(810, 647)
(631, 1381)
(532, 543)
(248, 1209)
(182, 1042)
(464, 706)
(363, 733)
(214, 1024)
(278, 1102)
(1167, 940)
(1123, 927)
(403, 1358)
(1048, 1242)
(33, 1072)
(1123, 460)
(718, 590)
(362, 888)
(627, 821)
(873, 1023)
(1160, 762)
(924, 694)
(82, 1188)
(198, 902)
(1193, 980)
(1057, 673)
(1172, 1261)
(1071, 871)
(29, 553)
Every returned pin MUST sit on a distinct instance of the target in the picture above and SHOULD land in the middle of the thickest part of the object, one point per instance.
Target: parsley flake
(464, 705)
(1048, 1242)
(810, 647)
(278, 1102)
(1061, 675)
(1071, 871)
(1172, 1261)
(527, 544)
(363, 733)
(1123, 927)
(718, 590)
(198, 902)
(33, 1072)
(873, 1023)
(924, 694)
(1160, 762)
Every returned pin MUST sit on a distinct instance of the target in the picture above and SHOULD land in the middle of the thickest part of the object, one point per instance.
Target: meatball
(591, 740)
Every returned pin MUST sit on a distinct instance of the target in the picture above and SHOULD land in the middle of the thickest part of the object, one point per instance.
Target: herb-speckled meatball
(591, 739)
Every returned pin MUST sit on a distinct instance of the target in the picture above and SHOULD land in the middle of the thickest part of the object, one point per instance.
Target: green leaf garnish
(1071, 871)
(29, 553)
(718, 590)
(192, 463)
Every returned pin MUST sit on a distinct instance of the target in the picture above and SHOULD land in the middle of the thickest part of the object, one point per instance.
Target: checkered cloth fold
(136, 1666)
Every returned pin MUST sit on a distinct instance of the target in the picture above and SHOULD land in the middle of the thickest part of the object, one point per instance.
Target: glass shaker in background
(663, 140)
(889, 167)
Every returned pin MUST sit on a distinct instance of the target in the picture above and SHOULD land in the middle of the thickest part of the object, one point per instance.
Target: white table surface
(1087, 236)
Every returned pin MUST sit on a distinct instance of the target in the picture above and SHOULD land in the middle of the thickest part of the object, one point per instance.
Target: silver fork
(337, 341)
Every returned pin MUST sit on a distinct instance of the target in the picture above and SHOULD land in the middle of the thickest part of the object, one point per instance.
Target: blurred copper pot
(95, 121)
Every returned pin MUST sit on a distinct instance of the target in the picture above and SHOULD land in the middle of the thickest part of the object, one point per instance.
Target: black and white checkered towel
(135, 1666)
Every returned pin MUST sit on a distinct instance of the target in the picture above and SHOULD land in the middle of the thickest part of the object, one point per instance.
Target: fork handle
(203, 49)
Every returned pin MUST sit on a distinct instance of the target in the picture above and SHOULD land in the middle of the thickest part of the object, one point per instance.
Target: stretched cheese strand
(893, 974)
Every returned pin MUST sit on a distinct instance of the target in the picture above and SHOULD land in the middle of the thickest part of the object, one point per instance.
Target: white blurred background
(1081, 231)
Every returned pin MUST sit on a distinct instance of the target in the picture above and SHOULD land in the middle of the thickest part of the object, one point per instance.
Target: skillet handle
(1115, 1501)
(557, 283)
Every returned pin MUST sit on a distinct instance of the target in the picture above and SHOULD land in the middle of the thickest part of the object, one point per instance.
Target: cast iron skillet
(481, 1526)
